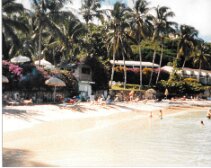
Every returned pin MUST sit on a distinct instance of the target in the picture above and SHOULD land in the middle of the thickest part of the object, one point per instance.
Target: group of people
(160, 114)
(101, 100)
(202, 123)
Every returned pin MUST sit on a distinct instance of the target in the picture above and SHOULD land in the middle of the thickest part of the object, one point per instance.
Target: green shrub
(181, 87)
(128, 87)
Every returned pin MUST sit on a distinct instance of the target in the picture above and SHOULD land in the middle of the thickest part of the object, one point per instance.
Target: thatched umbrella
(45, 64)
(150, 94)
(20, 59)
(53, 81)
(42, 62)
(4, 79)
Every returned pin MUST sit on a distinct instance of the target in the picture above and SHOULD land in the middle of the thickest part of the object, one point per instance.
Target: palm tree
(90, 9)
(73, 29)
(48, 14)
(170, 30)
(117, 35)
(11, 24)
(140, 26)
(201, 55)
(161, 27)
(188, 35)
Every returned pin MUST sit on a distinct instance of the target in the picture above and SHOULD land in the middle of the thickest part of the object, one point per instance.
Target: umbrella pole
(54, 96)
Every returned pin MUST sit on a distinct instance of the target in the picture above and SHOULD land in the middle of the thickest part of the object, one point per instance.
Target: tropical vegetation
(51, 31)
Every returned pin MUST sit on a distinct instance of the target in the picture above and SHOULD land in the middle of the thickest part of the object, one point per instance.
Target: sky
(196, 13)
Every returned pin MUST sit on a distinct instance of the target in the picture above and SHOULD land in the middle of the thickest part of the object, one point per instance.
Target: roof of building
(134, 63)
(187, 70)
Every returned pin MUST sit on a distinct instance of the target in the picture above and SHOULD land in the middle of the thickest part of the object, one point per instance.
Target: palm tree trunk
(161, 59)
(39, 44)
(184, 63)
(140, 58)
(175, 61)
(124, 52)
(112, 71)
(153, 62)
(175, 64)
(54, 61)
(199, 71)
(113, 65)
(87, 34)
(125, 71)
(11, 51)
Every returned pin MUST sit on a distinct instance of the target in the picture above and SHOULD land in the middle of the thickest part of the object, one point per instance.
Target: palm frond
(55, 30)
(9, 33)
(16, 24)
(10, 6)
(60, 16)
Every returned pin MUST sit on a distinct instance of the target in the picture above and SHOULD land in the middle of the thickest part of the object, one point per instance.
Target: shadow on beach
(22, 114)
(20, 158)
(91, 107)
(76, 108)
(124, 107)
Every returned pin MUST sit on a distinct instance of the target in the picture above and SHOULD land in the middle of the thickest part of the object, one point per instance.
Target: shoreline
(21, 117)
(47, 137)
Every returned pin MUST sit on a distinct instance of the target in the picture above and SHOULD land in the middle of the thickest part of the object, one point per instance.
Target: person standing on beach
(161, 114)
(166, 93)
(131, 94)
(150, 115)
(209, 114)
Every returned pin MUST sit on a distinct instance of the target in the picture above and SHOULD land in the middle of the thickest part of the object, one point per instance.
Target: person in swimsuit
(209, 114)
(161, 114)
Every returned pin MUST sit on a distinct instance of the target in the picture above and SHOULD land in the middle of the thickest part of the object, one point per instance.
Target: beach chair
(11, 102)
(109, 100)
(66, 104)
(27, 102)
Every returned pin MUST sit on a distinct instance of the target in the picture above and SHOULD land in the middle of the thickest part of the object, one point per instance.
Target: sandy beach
(45, 135)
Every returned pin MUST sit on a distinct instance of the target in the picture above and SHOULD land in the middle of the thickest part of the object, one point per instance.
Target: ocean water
(178, 139)
(122, 139)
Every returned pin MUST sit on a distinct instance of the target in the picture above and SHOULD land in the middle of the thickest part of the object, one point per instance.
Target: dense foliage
(53, 31)
(181, 87)
(29, 77)
(133, 75)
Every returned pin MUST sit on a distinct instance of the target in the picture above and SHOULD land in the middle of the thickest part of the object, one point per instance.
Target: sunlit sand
(86, 135)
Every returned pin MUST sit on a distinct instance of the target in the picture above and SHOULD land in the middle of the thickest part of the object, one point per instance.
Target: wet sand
(80, 136)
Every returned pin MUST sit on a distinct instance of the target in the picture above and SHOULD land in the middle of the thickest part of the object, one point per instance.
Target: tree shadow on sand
(21, 114)
(20, 158)
(82, 109)
(76, 108)
(124, 107)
